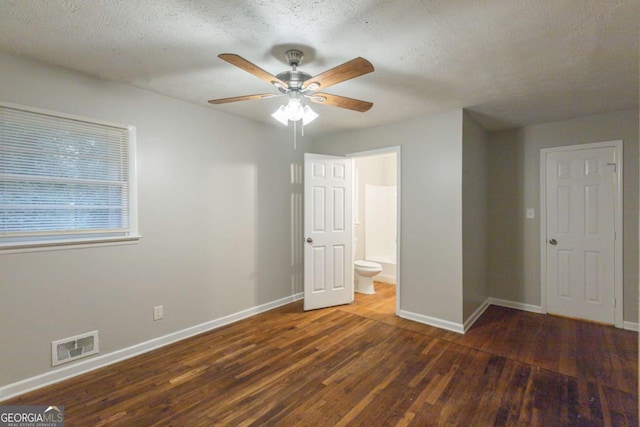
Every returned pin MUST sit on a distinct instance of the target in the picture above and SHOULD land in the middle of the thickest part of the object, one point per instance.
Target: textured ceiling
(511, 62)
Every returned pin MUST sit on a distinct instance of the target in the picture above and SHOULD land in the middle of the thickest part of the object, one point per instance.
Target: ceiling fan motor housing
(295, 79)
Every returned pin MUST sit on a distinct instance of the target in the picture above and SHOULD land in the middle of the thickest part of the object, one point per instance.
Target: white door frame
(377, 152)
(617, 215)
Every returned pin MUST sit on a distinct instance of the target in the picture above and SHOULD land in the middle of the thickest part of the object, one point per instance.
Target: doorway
(328, 228)
(376, 212)
(581, 231)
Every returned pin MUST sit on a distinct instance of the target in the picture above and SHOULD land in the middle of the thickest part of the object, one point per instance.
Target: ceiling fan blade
(341, 101)
(354, 68)
(252, 68)
(243, 98)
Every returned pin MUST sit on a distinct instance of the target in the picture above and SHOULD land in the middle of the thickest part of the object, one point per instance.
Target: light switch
(531, 213)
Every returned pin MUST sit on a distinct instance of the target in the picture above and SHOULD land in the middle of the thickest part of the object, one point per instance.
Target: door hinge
(615, 167)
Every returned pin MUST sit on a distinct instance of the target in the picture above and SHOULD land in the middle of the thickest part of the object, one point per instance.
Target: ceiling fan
(299, 86)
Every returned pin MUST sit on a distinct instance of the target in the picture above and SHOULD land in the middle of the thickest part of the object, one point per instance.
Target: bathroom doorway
(376, 212)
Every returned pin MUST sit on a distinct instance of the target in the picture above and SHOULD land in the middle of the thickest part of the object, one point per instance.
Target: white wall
(376, 170)
(214, 212)
(475, 205)
(431, 240)
(380, 213)
(514, 265)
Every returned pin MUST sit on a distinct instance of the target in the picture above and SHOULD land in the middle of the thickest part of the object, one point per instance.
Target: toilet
(364, 270)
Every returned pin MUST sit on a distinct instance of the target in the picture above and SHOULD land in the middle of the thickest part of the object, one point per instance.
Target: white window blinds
(62, 177)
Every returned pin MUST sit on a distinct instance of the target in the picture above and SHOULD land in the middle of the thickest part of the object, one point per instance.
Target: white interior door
(580, 233)
(328, 263)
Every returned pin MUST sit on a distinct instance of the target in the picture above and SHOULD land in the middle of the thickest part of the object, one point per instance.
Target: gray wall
(214, 212)
(431, 206)
(475, 178)
(514, 161)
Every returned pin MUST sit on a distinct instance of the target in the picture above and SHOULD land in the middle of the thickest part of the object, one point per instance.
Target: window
(64, 179)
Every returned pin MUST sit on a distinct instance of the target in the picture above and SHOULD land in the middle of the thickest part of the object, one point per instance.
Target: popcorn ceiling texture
(511, 62)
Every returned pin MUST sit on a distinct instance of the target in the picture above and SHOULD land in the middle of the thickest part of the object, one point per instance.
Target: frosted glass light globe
(294, 109)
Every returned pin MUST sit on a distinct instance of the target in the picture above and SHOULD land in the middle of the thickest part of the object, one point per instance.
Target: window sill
(15, 248)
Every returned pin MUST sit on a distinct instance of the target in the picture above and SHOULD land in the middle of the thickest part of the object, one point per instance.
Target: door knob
(553, 241)
(309, 240)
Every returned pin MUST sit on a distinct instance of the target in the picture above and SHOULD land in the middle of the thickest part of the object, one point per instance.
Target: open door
(328, 263)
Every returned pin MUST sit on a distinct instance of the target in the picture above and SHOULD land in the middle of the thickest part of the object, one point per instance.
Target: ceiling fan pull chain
(295, 134)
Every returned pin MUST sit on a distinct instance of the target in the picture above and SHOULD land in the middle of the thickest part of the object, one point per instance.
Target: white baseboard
(514, 304)
(60, 374)
(475, 315)
(446, 324)
(630, 326)
(432, 321)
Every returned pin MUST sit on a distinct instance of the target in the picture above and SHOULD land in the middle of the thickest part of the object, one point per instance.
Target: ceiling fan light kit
(298, 85)
(294, 109)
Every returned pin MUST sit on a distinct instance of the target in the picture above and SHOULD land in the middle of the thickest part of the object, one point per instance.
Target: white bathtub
(388, 263)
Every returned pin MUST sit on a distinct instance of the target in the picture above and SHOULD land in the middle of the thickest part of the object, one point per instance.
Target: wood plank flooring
(361, 365)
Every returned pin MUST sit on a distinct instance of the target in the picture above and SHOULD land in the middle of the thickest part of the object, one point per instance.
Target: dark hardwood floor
(362, 365)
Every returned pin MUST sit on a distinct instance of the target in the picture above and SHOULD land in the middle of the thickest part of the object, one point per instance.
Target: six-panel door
(328, 263)
(580, 197)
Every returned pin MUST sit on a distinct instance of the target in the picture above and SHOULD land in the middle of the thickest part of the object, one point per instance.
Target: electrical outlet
(158, 312)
